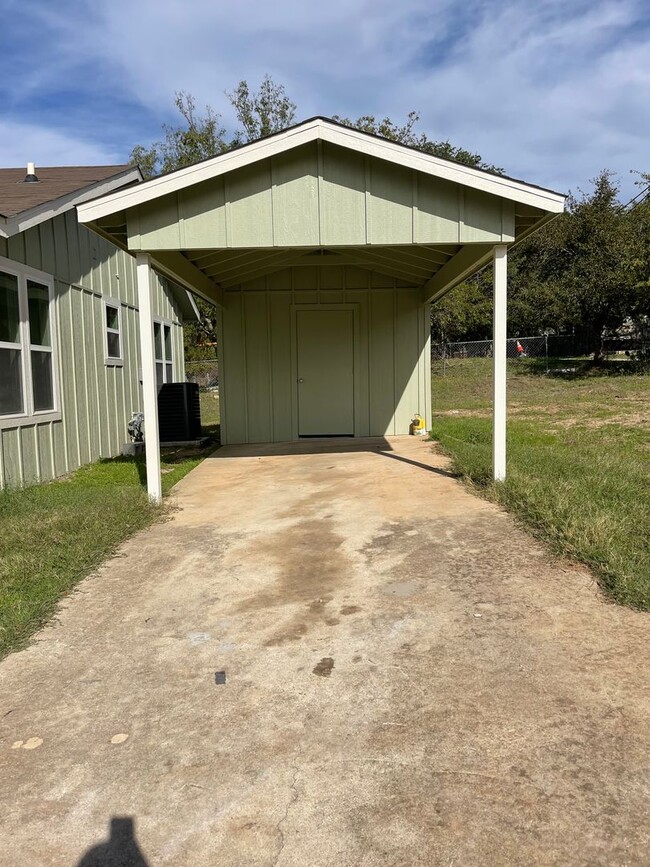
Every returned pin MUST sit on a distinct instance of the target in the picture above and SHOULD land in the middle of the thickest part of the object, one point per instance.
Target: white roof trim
(48, 210)
(335, 134)
(193, 305)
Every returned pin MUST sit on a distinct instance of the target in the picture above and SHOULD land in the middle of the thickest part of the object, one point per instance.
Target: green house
(323, 248)
(70, 364)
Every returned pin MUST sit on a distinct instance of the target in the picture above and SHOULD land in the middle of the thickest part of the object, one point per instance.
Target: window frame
(114, 304)
(30, 416)
(164, 323)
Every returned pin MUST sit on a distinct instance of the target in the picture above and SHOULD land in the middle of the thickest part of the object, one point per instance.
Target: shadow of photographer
(120, 850)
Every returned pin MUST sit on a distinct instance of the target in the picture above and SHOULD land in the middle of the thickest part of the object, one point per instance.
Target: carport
(323, 248)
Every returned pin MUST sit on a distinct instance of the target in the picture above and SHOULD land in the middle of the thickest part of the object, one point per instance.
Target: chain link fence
(457, 357)
(546, 352)
(204, 373)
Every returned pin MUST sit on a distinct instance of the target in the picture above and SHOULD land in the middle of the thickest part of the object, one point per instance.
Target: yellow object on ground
(418, 425)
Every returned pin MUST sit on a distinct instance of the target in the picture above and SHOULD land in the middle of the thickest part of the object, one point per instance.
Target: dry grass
(578, 463)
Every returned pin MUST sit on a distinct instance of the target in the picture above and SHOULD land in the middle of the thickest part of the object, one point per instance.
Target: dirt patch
(473, 413)
(305, 566)
(324, 667)
(632, 420)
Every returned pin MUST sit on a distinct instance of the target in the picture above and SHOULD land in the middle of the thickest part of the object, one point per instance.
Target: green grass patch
(55, 534)
(210, 415)
(578, 465)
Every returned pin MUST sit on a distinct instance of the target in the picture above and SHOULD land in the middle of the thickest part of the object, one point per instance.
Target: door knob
(301, 380)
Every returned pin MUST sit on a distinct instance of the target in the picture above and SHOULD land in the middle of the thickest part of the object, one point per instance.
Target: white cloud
(23, 143)
(551, 90)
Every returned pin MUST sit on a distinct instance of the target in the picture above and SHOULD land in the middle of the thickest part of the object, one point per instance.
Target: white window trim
(165, 361)
(115, 304)
(30, 416)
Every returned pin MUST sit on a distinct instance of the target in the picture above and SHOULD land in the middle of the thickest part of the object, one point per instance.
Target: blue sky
(552, 90)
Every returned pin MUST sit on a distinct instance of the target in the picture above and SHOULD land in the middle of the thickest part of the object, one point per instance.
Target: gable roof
(59, 188)
(324, 129)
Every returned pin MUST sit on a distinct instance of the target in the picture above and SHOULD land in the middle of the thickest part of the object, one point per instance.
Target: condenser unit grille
(179, 412)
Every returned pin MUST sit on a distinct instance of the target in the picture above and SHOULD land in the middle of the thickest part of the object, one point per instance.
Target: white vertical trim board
(2, 462)
(500, 258)
(149, 390)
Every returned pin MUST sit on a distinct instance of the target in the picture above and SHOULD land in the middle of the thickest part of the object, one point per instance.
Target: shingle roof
(53, 183)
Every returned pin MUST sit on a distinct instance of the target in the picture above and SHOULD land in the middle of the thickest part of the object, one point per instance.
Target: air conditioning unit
(179, 412)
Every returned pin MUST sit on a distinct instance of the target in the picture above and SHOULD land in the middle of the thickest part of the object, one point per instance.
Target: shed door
(325, 367)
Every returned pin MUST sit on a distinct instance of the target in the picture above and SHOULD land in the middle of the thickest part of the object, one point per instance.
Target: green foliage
(587, 272)
(198, 137)
(201, 337)
(201, 136)
(586, 256)
(465, 313)
(405, 134)
(261, 112)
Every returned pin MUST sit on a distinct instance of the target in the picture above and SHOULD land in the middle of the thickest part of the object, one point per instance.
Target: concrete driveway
(409, 680)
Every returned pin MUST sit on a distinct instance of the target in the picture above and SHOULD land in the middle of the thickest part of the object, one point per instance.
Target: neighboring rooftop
(16, 196)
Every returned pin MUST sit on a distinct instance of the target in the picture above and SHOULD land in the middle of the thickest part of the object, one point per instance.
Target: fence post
(546, 350)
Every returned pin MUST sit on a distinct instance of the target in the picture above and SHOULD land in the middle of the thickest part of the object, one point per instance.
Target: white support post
(149, 389)
(499, 325)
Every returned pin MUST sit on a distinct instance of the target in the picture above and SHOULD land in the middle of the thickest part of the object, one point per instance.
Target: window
(162, 341)
(27, 364)
(113, 330)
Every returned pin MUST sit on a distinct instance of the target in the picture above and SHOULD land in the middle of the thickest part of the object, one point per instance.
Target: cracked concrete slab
(410, 679)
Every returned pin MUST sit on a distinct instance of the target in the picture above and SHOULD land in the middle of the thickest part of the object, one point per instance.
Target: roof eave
(309, 131)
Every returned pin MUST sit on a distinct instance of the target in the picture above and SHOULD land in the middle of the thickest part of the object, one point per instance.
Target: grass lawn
(578, 460)
(54, 534)
(210, 412)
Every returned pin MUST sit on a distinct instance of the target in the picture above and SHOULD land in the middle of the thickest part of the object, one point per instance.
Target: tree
(638, 215)
(197, 138)
(406, 135)
(263, 112)
(588, 257)
(465, 313)
(201, 136)
(587, 271)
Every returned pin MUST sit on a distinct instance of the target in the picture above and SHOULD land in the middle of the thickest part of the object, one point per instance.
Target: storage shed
(323, 247)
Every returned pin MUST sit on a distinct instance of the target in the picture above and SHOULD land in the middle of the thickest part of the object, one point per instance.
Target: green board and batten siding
(320, 195)
(95, 399)
(392, 367)
(323, 218)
